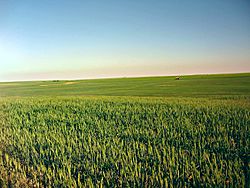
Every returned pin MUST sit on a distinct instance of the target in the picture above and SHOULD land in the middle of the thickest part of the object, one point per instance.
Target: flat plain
(187, 86)
(126, 132)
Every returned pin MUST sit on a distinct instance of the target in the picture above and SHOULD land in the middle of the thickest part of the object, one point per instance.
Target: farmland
(188, 86)
(127, 132)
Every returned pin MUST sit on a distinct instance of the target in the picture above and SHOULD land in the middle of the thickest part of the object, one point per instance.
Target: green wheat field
(126, 132)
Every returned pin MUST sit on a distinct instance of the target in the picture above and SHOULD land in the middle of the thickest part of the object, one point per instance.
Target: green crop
(124, 142)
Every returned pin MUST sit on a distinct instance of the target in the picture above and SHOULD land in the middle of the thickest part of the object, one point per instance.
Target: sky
(82, 39)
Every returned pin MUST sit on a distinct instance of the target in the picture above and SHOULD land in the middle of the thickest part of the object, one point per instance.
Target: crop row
(124, 142)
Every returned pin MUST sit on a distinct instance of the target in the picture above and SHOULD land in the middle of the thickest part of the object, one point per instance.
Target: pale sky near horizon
(80, 39)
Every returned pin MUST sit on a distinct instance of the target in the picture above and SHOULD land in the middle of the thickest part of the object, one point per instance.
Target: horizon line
(120, 77)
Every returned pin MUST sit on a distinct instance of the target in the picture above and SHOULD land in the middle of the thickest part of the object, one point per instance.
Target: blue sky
(113, 38)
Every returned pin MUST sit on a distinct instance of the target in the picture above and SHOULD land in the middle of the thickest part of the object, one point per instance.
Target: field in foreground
(124, 142)
(193, 133)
